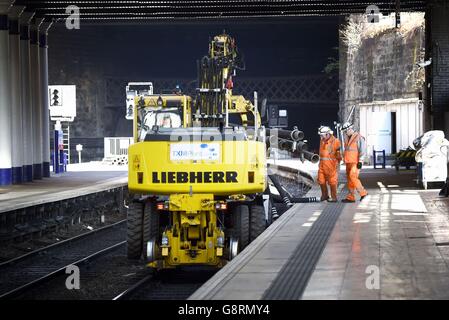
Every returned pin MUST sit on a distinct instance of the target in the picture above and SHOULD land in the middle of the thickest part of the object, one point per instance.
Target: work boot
(350, 198)
(363, 195)
(324, 194)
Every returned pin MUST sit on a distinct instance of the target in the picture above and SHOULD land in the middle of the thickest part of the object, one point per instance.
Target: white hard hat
(324, 130)
(346, 126)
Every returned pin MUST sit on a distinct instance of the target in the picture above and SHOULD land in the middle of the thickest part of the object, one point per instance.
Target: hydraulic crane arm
(215, 100)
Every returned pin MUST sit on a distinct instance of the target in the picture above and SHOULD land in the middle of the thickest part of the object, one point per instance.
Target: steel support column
(16, 95)
(5, 105)
(27, 119)
(43, 36)
(36, 99)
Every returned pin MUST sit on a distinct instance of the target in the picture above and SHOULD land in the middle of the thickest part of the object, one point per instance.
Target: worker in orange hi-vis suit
(330, 158)
(354, 145)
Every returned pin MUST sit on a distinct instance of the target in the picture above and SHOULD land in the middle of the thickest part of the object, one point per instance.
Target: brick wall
(439, 45)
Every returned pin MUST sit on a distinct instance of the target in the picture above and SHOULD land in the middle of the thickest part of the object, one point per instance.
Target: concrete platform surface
(81, 179)
(393, 245)
(250, 274)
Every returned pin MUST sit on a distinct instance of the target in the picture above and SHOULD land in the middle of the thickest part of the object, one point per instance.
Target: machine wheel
(270, 212)
(240, 228)
(150, 250)
(258, 221)
(134, 230)
(150, 227)
(233, 248)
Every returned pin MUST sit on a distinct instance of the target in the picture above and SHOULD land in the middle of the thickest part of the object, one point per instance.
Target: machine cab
(161, 112)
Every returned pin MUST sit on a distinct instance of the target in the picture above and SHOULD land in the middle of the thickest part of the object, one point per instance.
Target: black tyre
(270, 212)
(150, 225)
(134, 230)
(258, 222)
(240, 229)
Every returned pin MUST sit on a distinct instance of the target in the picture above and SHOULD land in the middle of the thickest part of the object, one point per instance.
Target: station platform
(79, 180)
(392, 245)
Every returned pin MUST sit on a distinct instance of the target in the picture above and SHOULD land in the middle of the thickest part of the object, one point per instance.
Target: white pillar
(36, 98)
(27, 123)
(44, 98)
(5, 106)
(16, 95)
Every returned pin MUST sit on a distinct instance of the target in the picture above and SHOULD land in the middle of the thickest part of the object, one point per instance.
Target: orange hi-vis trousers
(352, 175)
(328, 173)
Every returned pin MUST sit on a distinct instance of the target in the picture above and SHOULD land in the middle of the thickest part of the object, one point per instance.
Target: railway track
(57, 244)
(104, 269)
(176, 284)
(30, 270)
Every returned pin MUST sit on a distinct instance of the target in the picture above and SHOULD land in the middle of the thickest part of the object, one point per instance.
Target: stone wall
(379, 65)
(74, 59)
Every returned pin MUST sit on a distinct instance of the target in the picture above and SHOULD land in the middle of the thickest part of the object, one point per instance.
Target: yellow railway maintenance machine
(197, 170)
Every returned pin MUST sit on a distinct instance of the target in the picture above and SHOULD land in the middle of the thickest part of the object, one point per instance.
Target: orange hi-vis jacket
(330, 150)
(354, 148)
(329, 158)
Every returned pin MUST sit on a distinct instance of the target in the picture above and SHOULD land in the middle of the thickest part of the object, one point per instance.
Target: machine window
(164, 118)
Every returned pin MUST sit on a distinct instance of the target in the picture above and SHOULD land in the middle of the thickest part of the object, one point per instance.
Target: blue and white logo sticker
(194, 151)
